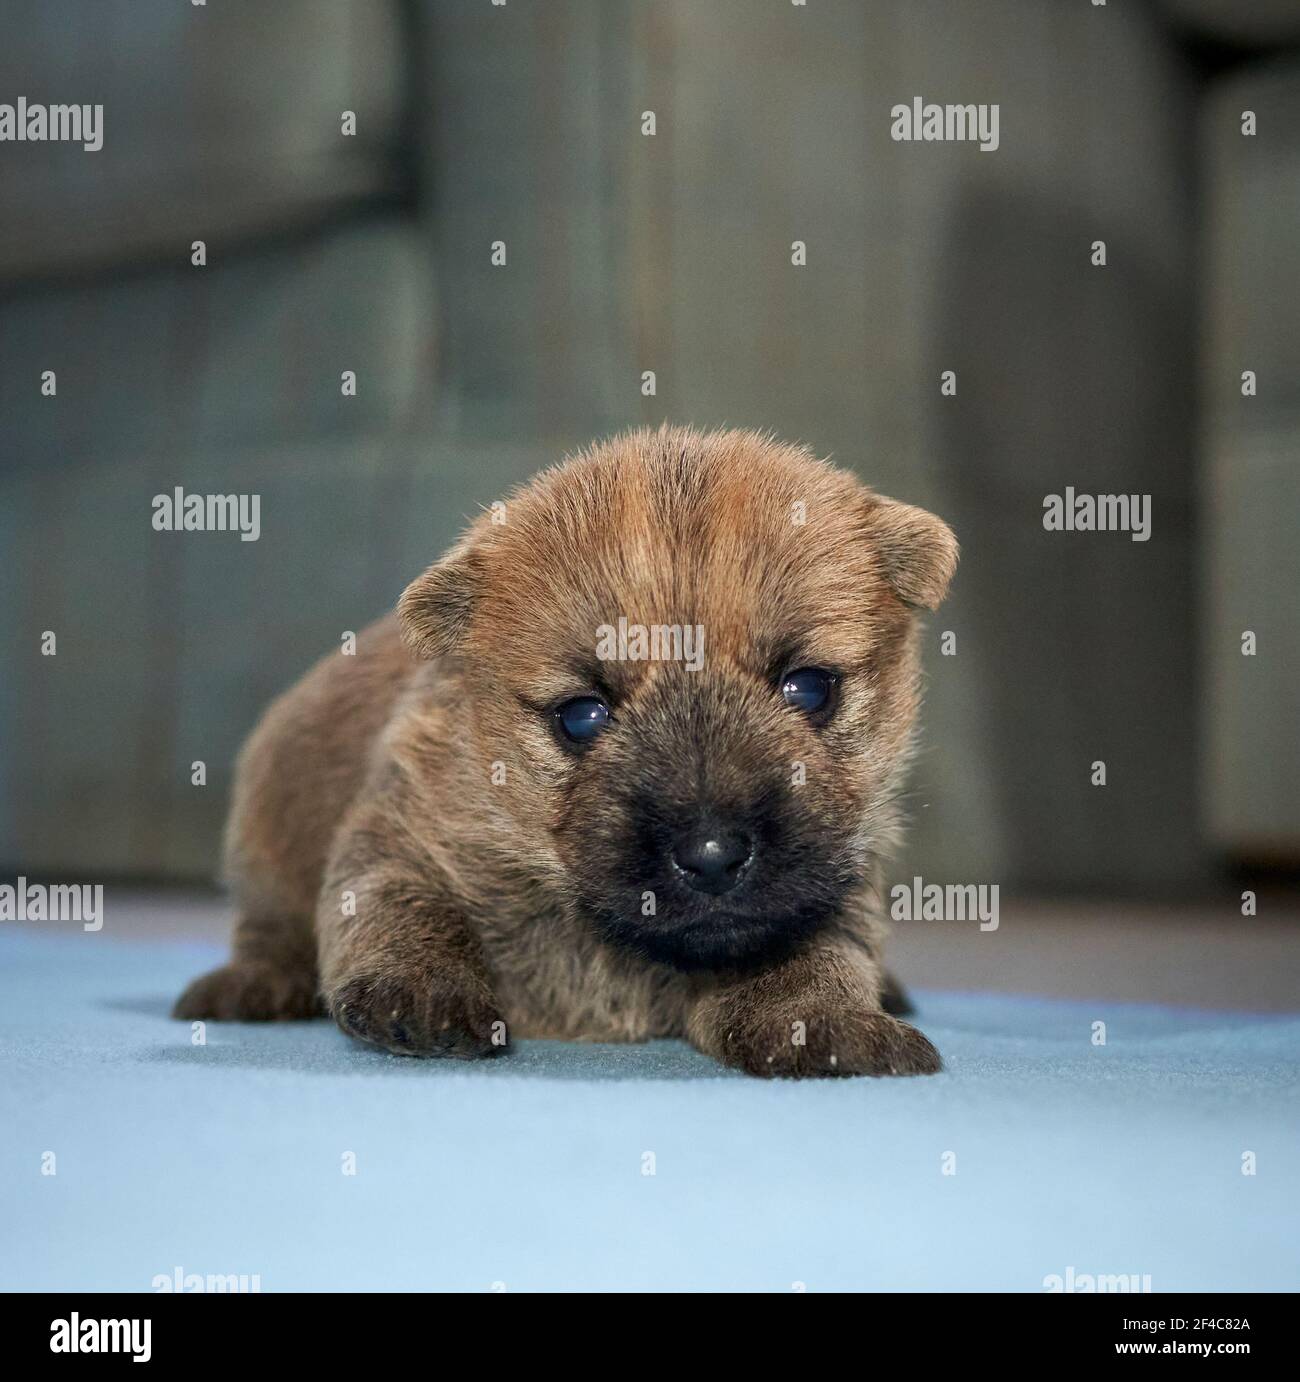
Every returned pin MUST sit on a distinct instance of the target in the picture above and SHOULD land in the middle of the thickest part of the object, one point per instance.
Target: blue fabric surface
(529, 1170)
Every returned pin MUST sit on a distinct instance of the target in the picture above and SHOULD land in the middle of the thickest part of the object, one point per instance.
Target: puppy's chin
(749, 932)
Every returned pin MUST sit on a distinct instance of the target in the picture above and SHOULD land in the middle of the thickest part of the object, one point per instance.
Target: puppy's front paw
(424, 1016)
(847, 1043)
(251, 993)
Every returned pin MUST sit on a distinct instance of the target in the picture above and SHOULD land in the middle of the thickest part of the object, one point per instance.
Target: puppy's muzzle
(713, 859)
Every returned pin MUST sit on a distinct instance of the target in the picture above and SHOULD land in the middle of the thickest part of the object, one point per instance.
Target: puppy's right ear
(435, 609)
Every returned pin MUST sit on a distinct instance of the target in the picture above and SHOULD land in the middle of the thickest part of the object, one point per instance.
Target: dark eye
(582, 718)
(808, 689)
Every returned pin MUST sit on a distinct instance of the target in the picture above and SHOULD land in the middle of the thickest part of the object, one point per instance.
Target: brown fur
(411, 841)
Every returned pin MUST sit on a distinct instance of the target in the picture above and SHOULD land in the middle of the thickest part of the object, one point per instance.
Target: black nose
(712, 860)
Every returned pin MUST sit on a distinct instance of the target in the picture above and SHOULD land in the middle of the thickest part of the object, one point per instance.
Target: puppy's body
(414, 840)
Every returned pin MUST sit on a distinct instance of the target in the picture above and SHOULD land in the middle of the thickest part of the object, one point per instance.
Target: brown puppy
(508, 813)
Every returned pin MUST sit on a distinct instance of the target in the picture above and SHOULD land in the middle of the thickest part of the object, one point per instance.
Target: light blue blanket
(288, 1154)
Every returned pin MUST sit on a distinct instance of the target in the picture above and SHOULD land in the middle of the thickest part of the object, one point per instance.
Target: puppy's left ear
(918, 551)
(435, 609)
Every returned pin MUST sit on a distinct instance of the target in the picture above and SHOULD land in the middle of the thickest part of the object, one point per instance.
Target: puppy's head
(693, 656)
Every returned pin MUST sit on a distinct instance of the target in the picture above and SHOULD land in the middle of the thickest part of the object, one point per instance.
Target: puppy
(512, 815)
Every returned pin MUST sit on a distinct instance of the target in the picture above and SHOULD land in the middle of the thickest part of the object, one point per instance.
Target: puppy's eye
(808, 689)
(582, 718)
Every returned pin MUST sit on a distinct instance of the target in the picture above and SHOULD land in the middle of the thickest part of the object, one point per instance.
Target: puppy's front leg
(818, 1013)
(400, 966)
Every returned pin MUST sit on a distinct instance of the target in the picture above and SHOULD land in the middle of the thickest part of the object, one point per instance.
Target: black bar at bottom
(321, 1330)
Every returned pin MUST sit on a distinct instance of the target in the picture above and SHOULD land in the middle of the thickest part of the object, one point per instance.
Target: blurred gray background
(522, 123)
